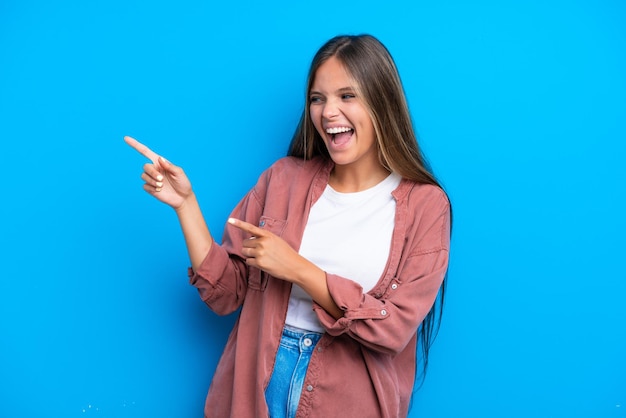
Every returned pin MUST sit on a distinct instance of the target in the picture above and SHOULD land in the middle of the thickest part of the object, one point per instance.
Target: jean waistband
(296, 337)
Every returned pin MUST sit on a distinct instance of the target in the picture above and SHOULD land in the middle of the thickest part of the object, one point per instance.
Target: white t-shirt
(347, 234)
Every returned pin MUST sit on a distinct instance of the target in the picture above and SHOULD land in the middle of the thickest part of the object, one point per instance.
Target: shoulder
(289, 172)
(288, 169)
(428, 215)
(422, 195)
(293, 164)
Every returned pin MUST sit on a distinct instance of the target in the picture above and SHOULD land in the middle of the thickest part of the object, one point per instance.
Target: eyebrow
(341, 90)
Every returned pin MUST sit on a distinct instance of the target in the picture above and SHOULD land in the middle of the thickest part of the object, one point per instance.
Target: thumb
(169, 167)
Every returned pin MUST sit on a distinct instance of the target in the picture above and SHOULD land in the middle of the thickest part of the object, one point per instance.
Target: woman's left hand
(272, 254)
(268, 252)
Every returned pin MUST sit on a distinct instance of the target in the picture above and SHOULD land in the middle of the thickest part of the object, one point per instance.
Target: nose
(331, 109)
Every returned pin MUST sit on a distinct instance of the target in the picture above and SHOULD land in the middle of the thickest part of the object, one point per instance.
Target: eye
(315, 99)
(347, 96)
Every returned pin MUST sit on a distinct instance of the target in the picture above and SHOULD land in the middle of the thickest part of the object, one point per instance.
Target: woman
(335, 257)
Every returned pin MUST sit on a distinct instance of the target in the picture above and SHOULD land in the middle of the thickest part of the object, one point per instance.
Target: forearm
(312, 280)
(195, 230)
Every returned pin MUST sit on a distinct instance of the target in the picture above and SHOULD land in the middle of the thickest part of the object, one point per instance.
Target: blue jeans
(292, 360)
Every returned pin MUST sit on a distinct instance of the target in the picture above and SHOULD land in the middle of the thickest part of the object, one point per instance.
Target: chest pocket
(257, 279)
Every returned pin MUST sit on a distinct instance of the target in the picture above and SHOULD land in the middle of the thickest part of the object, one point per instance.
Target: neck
(347, 179)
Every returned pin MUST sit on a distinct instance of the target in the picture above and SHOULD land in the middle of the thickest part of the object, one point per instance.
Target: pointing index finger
(142, 149)
(245, 226)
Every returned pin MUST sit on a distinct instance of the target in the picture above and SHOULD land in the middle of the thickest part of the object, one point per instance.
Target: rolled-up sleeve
(220, 280)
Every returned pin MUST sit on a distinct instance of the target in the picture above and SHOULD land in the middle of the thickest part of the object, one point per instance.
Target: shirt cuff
(355, 304)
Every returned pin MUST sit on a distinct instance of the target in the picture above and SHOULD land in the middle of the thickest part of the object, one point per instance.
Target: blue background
(521, 109)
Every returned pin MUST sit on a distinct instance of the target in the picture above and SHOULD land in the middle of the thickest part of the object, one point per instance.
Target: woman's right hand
(163, 180)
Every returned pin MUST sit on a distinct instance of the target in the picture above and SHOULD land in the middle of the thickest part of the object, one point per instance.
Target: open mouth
(340, 135)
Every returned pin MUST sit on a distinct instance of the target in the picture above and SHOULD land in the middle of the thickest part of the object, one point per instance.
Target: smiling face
(341, 118)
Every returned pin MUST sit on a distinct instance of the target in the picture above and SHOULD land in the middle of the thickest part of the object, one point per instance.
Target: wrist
(188, 202)
(308, 273)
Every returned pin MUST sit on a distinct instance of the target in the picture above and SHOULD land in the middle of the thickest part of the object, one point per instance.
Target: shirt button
(319, 349)
(262, 224)
(309, 388)
(307, 342)
(383, 312)
(394, 286)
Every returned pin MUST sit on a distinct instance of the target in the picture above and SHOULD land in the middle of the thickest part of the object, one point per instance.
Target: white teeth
(333, 131)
